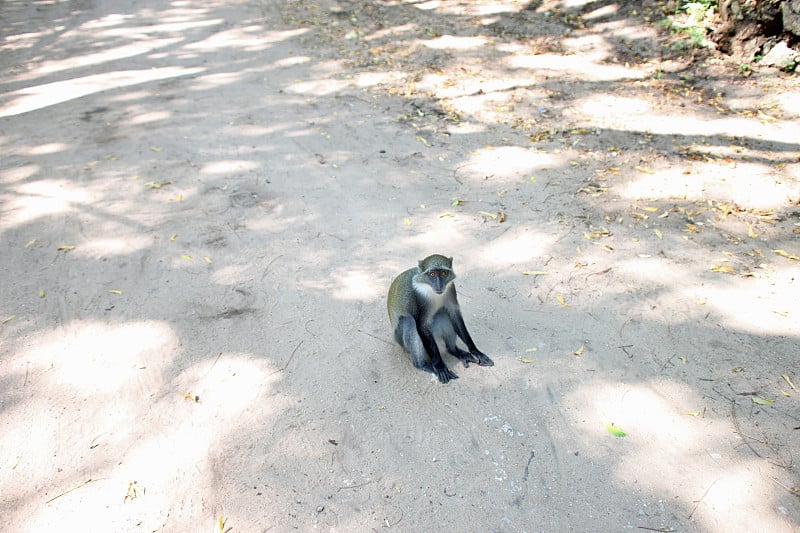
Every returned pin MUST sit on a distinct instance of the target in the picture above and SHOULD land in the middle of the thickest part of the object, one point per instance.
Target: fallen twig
(213, 364)
(90, 480)
(281, 369)
(698, 502)
(744, 437)
(374, 337)
(266, 270)
(792, 490)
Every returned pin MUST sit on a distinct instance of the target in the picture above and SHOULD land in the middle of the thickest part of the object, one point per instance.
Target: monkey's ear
(450, 262)
(419, 263)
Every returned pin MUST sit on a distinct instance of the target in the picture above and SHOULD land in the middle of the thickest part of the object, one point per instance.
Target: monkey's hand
(465, 357)
(443, 373)
(482, 358)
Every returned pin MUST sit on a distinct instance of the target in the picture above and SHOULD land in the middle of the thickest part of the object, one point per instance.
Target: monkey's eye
(432, 274)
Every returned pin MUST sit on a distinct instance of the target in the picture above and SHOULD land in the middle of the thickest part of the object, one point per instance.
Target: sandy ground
(204, 203)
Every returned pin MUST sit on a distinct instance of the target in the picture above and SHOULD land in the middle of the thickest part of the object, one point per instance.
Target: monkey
(422, 305)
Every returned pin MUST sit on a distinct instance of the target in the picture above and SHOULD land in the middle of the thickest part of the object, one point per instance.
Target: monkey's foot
(444, 374)
(483, 360)
(465, 357)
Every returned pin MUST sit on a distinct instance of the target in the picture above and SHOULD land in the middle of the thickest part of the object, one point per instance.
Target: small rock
(781, 56)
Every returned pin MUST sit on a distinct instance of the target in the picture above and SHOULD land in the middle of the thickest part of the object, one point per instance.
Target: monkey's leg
(419, 341)
(409, 337)
(449, 336)
(439, 368)
(477, 356)
(465, 356)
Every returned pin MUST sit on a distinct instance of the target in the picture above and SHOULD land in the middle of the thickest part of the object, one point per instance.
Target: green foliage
(692, 19)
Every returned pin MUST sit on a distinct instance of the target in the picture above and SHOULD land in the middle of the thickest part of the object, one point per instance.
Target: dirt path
(202, 206)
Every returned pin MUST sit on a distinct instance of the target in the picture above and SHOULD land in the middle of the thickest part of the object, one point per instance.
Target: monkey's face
(438, 279)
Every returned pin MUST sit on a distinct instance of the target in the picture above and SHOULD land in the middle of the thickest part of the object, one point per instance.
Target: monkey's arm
(461, 330)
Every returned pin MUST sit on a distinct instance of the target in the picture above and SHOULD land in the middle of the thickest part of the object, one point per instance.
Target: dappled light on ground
(98, 358)
(488, 7)
(574, 66)
(28, 202)
(521, 247)
(320, 87)
(50, 94)
(507, 163)
(112, 54)
(355, 285)
(442, 230)
(455, 42)
(665, 420)
(202, 208)
(626, 113)
(248, 39)
(652, 414)
(768, 309)
(106, 390)
(748, 185)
